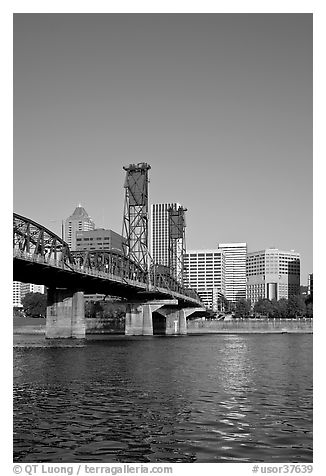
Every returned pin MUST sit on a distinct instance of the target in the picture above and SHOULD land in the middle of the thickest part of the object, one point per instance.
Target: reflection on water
(215, 398)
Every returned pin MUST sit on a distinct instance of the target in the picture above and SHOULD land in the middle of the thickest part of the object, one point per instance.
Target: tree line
(34, 305)
(295, 307)
(298, 306)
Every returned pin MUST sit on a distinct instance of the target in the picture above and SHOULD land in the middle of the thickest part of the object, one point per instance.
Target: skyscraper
(205, 272)
(272, 274)
(310, 284)
(235, 270)
(160, 237)
(78, 221)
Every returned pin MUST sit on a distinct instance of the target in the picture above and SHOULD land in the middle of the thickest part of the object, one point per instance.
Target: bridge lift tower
(177, 241)
(135, 218)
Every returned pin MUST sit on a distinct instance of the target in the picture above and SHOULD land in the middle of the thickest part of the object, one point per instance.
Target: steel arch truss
(32, 239)
(161, 277)
(109, 262)
(33, 242)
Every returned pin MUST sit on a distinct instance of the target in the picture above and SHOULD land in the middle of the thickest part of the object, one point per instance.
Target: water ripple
(199, 399)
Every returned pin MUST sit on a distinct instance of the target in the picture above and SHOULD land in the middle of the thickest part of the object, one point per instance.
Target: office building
(310, 290)
(21, 289)
(16, 299)
(272, 274)
(204, 271)
(235, 270)
(98, 239)
(78, 221)
(26, 288)
(159, 235)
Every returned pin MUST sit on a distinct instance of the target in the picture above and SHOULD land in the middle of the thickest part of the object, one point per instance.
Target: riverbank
(234, 326)
(253, 326)
(27, 325)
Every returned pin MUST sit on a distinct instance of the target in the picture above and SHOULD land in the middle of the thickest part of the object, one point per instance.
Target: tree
(18, 312)
(281, 308)
(309, 307)
(105, 309)
(223, 303)
(94, 309)
(34, 304)
(243, 308)
(264, 308)
(296, 306)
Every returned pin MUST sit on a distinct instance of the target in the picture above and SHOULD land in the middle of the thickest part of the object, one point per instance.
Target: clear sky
(220, 106)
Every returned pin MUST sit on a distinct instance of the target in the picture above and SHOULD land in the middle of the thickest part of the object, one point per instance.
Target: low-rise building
(26, 288)
(98, 239)
(21, 289)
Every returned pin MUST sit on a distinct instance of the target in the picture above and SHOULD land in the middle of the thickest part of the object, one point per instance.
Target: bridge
(42, 257)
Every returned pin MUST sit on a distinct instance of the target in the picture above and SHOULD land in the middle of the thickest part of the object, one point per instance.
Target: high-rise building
(235, 270)
(310, 290)
(78, 221)
(159, 236)
(272, 274)
(16, 301)
(204, 271)
(98, 239)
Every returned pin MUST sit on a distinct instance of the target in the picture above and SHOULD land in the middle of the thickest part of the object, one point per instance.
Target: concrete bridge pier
(65, 314)
(139, 316)
(176, 319)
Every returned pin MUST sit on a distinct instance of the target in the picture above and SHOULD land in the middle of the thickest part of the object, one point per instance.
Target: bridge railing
(71, 267)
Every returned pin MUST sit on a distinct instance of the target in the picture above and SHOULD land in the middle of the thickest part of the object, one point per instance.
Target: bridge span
(41, 257)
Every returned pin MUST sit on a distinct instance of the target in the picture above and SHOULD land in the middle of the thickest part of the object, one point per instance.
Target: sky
(219, 105)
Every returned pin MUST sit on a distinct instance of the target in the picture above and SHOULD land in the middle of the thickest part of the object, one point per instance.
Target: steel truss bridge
(42, 257)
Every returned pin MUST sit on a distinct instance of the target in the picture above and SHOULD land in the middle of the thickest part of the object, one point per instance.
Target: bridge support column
(65, 314)
(176, 319)
(139, 317)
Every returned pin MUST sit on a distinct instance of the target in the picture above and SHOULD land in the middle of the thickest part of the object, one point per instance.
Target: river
(209, 398)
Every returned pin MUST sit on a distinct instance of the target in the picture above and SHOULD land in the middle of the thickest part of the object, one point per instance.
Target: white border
(315, 7)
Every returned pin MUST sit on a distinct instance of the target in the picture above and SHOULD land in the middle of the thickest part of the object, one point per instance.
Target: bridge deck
(29, 267)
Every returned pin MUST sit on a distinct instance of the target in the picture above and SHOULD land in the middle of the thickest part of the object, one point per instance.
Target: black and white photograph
(162, 242)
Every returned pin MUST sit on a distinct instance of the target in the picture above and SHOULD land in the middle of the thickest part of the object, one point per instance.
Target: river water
(210, 398)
